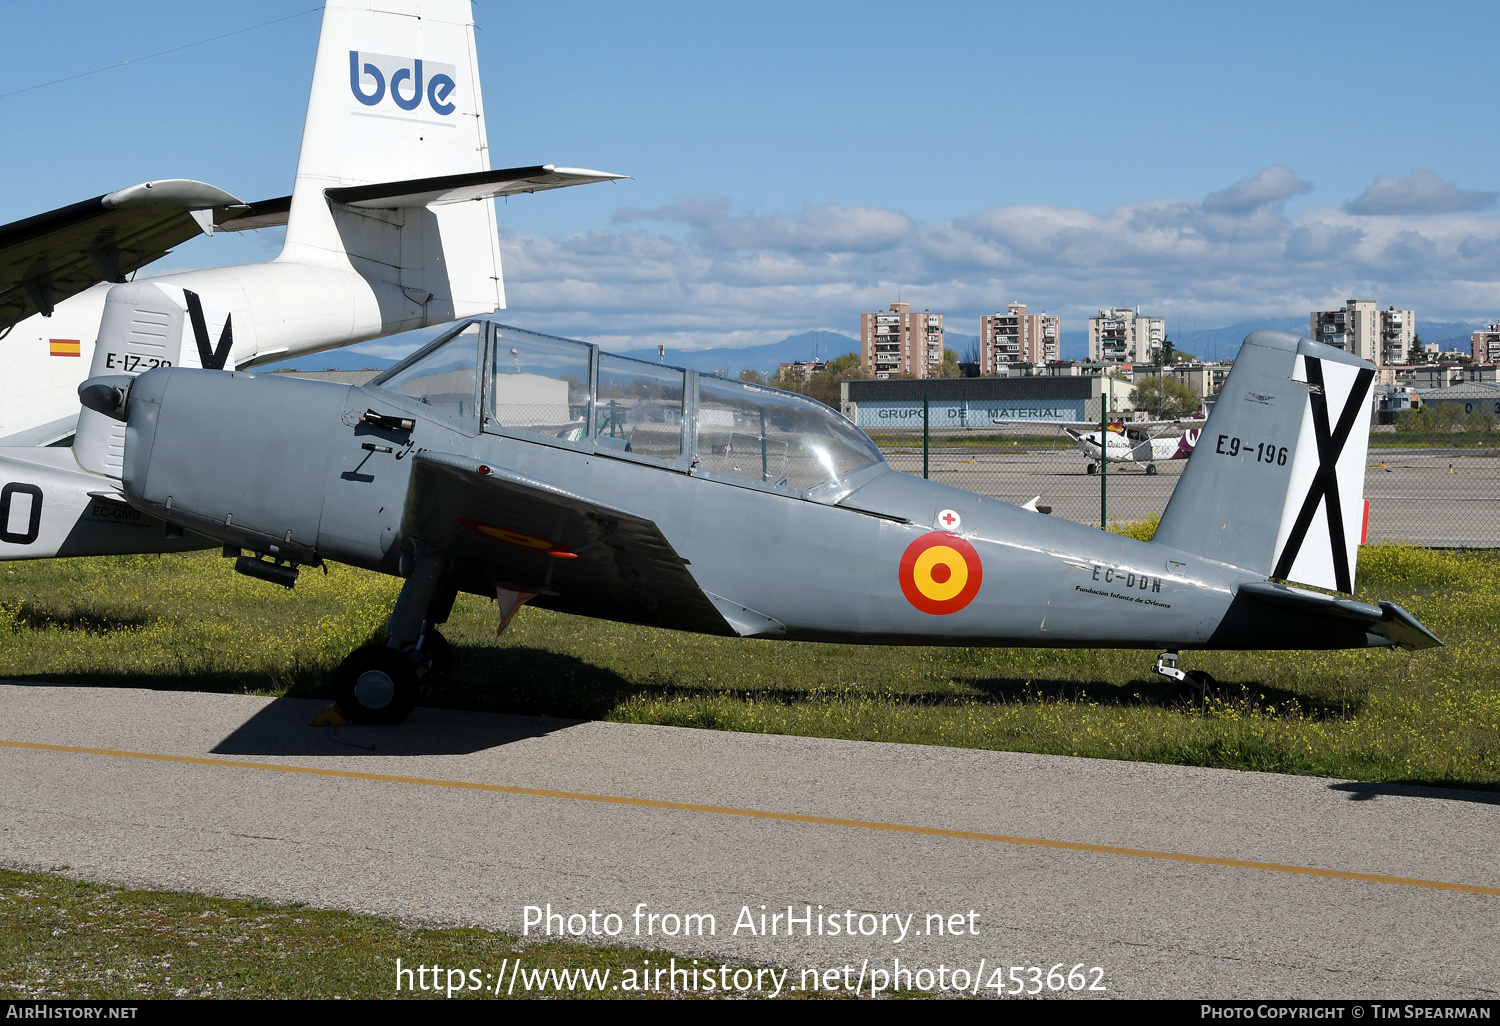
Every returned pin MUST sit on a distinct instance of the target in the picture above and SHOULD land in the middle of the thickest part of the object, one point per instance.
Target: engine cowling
(239, 457)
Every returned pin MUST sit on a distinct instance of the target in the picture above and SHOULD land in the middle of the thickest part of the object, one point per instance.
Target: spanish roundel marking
(940, 573)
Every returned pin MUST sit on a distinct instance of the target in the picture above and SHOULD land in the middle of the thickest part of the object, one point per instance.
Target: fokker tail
(1275, 483)
(395, 98)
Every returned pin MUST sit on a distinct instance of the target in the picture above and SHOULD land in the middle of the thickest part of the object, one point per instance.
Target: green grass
(62, 938)
(188, 622)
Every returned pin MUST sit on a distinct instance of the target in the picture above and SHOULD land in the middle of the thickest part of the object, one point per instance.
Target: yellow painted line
(786, 817)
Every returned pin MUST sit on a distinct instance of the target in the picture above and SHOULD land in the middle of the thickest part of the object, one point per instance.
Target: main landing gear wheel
(1093, 469)
(1150, 468)
(375, 684)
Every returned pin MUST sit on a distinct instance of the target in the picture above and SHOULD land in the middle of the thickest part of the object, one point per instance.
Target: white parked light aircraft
(389, 227)
(1134, 443)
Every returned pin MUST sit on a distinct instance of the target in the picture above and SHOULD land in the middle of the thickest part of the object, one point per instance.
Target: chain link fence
(1441, 491)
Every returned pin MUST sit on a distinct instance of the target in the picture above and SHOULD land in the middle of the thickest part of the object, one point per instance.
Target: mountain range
(1204, 343)
(810, 345)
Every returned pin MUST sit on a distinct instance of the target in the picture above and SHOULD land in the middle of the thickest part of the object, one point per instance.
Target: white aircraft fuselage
(281, 310)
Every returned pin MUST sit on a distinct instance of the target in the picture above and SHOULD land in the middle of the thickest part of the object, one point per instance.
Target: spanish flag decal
(66, 347)
(940, 573)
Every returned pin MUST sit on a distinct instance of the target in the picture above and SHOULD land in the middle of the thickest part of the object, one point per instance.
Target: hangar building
(979, 402)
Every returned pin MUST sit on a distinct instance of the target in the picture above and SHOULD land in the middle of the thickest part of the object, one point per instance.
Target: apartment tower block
(1122, 335)
(1486, 344)
(1016, 337)
(1362, 328)
(898, 341)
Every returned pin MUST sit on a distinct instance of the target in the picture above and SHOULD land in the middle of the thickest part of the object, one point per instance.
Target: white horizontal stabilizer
(423, 192)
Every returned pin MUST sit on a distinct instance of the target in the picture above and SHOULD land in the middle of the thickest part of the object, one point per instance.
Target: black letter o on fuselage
(33, 527)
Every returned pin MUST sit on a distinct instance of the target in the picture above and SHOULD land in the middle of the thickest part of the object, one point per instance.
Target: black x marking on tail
(211, 359)
(1325, 483)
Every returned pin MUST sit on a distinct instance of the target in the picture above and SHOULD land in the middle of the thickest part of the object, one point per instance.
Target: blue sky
(794, 164)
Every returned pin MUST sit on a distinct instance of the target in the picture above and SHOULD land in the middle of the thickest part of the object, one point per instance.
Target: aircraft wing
(47, 258)
(271, 213)
(583, 556)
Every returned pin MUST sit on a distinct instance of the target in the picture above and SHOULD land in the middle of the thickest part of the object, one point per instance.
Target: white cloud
(697, 274)
(1421, 192)
(1269, 186)
(736, 279)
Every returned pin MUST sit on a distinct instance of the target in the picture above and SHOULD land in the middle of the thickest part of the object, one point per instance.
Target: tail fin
(395, 97)
(148, 324)
(1276, 483)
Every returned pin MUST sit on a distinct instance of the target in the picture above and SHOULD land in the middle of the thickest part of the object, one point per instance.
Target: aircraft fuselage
(896, 560)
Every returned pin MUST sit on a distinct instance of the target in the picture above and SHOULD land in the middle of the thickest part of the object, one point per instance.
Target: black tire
(1150, 468)
(438, 655)
(375, 684)
(1093, 469)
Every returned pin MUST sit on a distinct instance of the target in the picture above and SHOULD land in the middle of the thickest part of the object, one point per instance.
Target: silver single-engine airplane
(536, 469)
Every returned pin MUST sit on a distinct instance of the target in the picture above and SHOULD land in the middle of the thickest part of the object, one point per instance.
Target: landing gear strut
(378, 683)
(1193, 686)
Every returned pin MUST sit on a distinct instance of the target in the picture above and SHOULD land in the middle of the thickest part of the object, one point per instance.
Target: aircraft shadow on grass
(30, 616)
(525, 693)
(1151, 692)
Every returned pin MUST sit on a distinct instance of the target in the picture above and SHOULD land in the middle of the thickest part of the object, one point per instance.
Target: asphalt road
(1175, 882)
(1426, 497)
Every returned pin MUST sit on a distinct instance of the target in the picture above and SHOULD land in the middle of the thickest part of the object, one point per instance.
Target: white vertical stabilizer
(396, 97)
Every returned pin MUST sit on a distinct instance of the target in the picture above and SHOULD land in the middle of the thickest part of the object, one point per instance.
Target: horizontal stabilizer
(582, 556)
(477, 185)
(1387, 620)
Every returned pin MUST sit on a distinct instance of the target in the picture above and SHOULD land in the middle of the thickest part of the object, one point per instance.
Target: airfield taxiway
(1433, 497)
(1177, 882)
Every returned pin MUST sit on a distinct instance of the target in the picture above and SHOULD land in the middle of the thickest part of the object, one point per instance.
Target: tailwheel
(375, 684)
(1195, 687)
